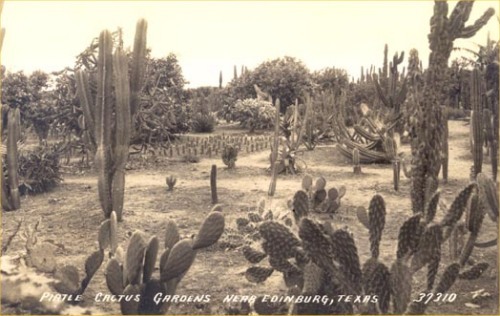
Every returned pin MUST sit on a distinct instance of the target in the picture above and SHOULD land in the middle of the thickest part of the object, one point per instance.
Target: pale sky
(208, 37)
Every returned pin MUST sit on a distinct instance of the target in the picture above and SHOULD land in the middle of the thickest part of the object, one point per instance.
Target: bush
(254, 114)
(203, 123)
(39, 171)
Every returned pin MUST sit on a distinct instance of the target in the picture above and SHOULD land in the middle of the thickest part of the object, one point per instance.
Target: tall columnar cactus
(391, 86)
(491, 76)
(275, 150)
(213, 184)
(12, 200)
(476, 95)
(429, 126)
(109, 117)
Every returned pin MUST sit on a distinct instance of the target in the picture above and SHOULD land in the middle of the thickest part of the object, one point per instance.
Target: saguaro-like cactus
(109, 118)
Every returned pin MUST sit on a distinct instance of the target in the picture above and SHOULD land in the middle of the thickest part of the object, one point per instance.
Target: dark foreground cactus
(134, 273)
(322, 260)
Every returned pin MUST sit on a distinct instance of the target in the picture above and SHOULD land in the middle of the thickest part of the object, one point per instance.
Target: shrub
(203, 123)
(254, 114)
(39, 171)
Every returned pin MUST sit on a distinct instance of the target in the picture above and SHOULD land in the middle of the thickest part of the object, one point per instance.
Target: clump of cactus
(171, 181)
(323, 260)
(248, 225)
(316, 197)
(229, 156)
(133, 272)
(108, 113)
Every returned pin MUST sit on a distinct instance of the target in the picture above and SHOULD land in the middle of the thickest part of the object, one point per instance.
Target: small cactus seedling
(171, 181)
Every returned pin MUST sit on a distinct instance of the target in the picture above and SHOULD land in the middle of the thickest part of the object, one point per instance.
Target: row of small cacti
(132, 272)
(321, 260)
(211, 150)
(108, 117)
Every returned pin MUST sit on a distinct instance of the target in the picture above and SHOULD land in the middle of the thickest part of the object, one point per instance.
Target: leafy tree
(330, 79)
(285, 78)
(165, 74)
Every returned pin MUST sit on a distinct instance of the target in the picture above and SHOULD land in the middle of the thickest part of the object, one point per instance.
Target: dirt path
(71, 215)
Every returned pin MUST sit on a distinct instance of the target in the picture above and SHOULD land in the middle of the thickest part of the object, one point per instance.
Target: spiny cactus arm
(92, 264)
(86, 101)
(135, 258)
(150, 255)
(376, 220)
(114, 277)
(471, 30)
(210, 231)
(138, 61)
(488, 193)
(380, 92)
(304, 120)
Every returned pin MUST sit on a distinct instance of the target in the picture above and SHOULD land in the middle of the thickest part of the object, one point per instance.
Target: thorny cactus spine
(136, 274)
(112, 138)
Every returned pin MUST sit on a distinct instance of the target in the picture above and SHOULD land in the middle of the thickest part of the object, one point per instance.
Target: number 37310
(426, 298)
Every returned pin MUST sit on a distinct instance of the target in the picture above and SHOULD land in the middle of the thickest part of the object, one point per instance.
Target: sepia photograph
(249, 157)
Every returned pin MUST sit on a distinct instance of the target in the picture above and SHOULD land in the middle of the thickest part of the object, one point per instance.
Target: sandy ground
(71, 214)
